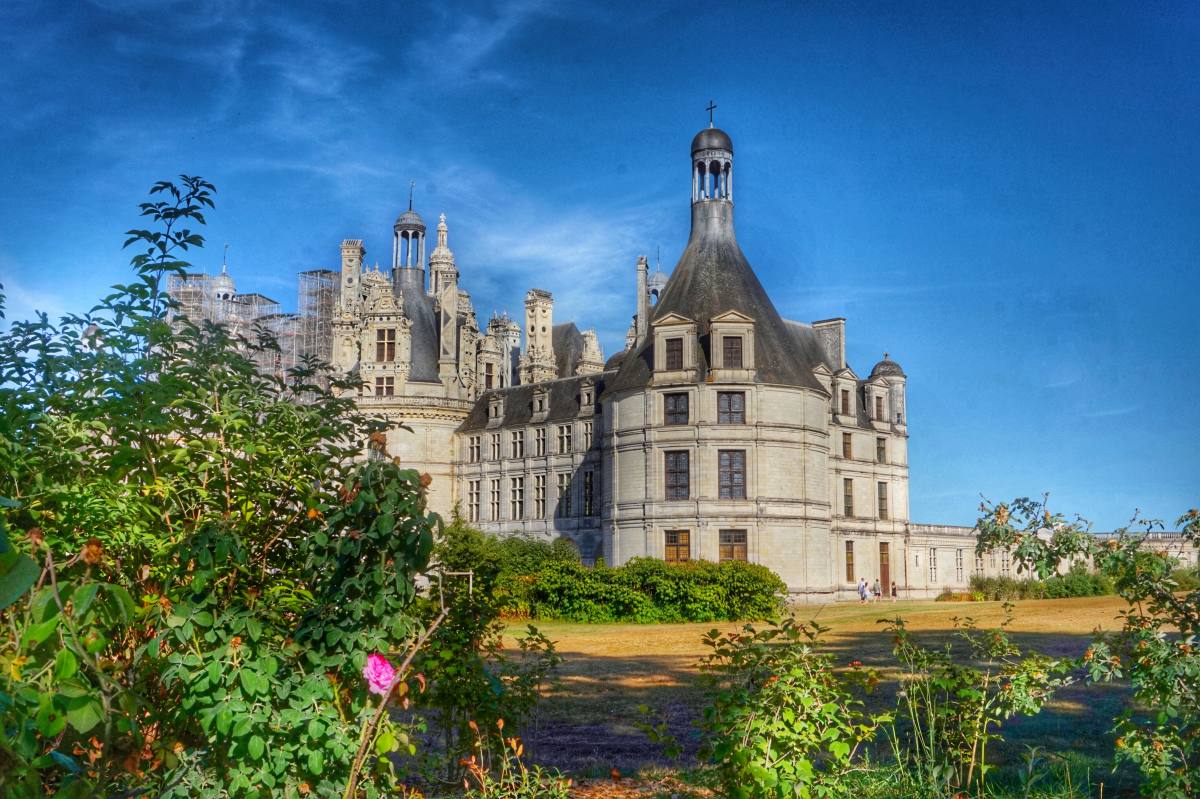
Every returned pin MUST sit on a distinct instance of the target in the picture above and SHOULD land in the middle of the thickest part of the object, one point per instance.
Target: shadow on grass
(587, 726)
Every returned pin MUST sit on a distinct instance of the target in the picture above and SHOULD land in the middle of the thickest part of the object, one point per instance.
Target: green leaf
(18, 573)
(385, 743)
(50, 720)
(65, 665)
(84, 712)
(256, 747)
(37, 633)
(316, 761)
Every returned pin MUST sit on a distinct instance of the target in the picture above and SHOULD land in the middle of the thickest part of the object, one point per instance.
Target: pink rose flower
(379, 674)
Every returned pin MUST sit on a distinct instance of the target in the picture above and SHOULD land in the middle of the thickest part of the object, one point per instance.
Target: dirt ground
(586, 726)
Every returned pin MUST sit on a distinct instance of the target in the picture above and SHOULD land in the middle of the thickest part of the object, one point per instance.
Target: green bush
(545, 580)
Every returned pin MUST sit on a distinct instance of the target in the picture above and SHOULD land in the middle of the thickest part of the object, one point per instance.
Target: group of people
(867, 593)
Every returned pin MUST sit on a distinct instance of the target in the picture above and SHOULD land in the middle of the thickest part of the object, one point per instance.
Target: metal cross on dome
(710, 108)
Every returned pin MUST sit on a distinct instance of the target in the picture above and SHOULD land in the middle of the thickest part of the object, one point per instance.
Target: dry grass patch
(587, 726)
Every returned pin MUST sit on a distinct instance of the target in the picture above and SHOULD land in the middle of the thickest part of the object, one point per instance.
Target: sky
(1005, 197)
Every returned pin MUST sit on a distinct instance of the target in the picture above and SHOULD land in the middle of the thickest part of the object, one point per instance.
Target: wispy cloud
(1105, 413)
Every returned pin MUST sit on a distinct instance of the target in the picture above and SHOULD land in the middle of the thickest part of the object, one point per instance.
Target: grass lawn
(586, 726)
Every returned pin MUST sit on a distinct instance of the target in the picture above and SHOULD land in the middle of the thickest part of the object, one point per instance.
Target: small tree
(1157, 645)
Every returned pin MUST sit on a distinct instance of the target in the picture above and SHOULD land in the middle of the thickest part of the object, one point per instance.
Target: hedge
(544, 580)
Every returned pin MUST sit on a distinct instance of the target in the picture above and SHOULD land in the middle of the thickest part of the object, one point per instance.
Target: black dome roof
(887, 368)
(712, 139)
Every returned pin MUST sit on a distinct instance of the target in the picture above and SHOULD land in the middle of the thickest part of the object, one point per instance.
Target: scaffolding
(319, 291)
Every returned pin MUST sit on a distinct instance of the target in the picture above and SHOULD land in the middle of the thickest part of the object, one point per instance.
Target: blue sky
(1005, 199)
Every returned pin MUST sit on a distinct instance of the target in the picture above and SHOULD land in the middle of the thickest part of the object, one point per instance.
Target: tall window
(517, 498)
(732, 545)
(539, 441)
(675, 408)
(678, 546)
(879, 407)
(979, 564)
(385, 386)
(881, 450)
(847, 448)
(474, 449)
(848, 497)
(731, 352)
(473, 500)
(674, 349)
(678, 477)
(731, 407)
(845, 402)
(933, 564)
(495, 446)
(589, 494)
(958, 565)
(1004, 564)
(489, 375)
(564, 495)
(992, 559)
(539, 496)
(494, 500)
(518, 443)
(564, 438)
(849, 561)
(385, 345)
(731, 474)
(883, 504)
(587, 435)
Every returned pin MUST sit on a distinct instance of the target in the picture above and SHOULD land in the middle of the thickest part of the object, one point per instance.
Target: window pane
(677, 546)
(731, 407)
(677, 476)
(731, 356)
(732, 545)
(676, 408)
(731, 468)
(674, 354)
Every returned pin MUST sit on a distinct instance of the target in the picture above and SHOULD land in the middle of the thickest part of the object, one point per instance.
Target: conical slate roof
(712, 277)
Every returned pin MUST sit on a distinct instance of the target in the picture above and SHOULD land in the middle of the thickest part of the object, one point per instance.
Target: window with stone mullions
(385, 345)
(564, 495)
(678, 477)
(677, 547)
(473, 500)
(732, 545)
(518, 443)
(517, 498)
(731, 474)
(564, 439)
(539, 441)
(674, 349)
(589, 494)
(731, 352)
(676, 406)
(385, 386)
(731, 407)
(539, 496)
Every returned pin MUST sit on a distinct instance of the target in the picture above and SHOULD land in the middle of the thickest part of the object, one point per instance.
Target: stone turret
(538, 362)
(592, 359)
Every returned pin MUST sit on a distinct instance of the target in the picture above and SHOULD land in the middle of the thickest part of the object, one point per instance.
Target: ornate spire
(442, 255)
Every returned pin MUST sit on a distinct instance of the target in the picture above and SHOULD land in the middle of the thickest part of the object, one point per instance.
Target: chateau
(722, 431)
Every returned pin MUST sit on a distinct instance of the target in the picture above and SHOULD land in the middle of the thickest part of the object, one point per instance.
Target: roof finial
(411, 183)
(658, 257)
(885, 356)
(225, 261)
(710, 108)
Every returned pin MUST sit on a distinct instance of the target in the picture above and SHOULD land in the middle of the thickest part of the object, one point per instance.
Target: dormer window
(674, 361)
(879, 409)
(732, 345)
(675, 349)
(845, 402)
(731, 352)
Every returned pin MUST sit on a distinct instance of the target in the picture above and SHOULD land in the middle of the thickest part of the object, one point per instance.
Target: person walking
(876, 591)
(894, 592)
(862, 590)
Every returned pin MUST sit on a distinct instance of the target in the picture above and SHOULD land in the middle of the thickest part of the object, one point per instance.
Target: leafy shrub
(781, 720)
(1157, 648)
(545, 580)
(194, 565)
(953, 702)
(472, 678)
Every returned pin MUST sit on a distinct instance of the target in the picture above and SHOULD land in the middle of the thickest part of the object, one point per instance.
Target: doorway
(885, 568)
